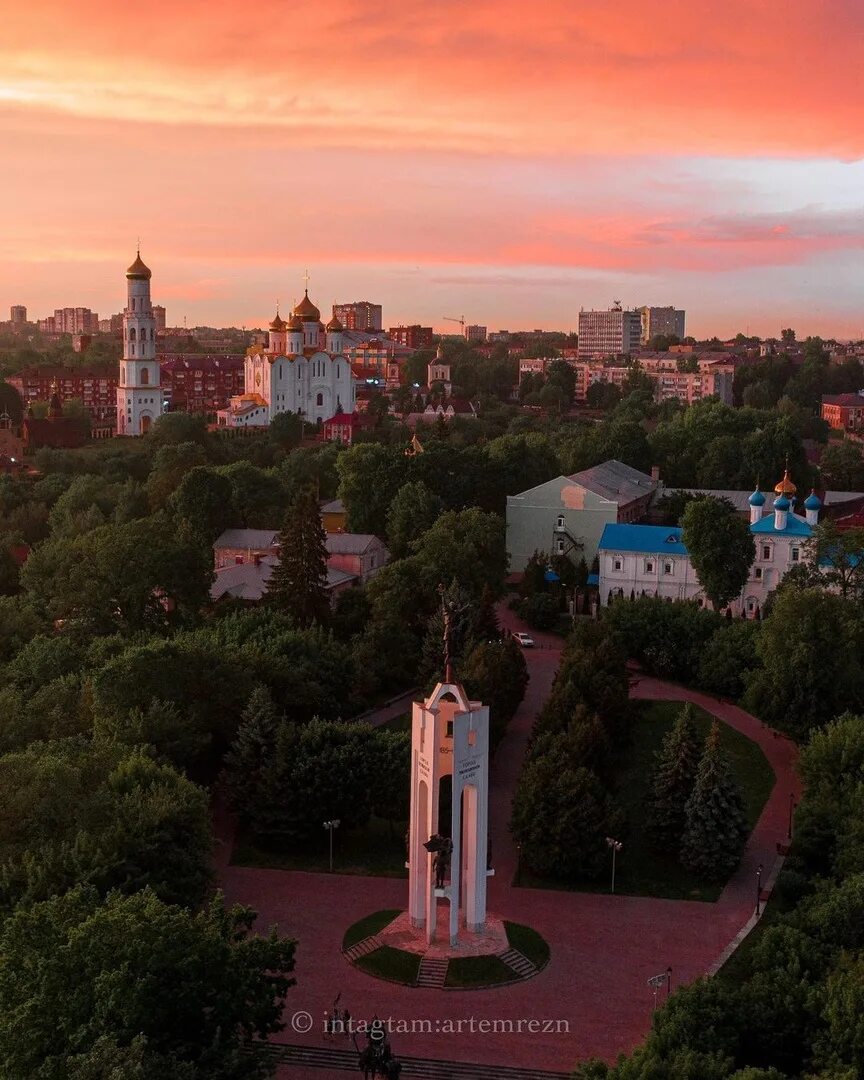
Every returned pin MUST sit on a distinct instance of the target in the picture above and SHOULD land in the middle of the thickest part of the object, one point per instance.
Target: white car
(525, 640)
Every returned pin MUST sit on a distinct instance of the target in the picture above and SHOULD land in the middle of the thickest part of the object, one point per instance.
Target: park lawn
(369, 925)
(640, 869)
(374, 850)
(389, 963)
(466, 971)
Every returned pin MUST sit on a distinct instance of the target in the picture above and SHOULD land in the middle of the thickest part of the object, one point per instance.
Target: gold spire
(785, 487)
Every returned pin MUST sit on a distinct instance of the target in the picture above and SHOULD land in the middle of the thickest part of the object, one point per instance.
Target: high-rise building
(18, 314)
(359, 315)
(412, 337)
(75, 320)
(615, 332)
(475, 333)
(159, 316)
(139, 396)
(668, 321)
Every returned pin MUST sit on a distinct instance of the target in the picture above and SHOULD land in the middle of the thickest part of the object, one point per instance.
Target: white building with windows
(651, 560)
(301, 370)
(139, 397)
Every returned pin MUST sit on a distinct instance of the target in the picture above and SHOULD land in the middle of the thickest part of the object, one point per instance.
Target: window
(559, 524)
(795, 554)
(667, 567)
(319, 400)
(649, 566)
(757, 573)
(766, 551)
(145, 376)
(616, 564)
(559, 547)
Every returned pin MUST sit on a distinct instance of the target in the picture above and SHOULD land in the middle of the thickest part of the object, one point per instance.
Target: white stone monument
(449, 737)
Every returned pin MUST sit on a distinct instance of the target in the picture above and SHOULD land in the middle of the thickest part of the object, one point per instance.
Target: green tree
(178, 427)
(413, 510)
(370, 475)
(602, 395)
(202, 503)
(170, 464)
(495, 673)
(837, 554)
(715, 829)
(810, 649)
(842, 466)
(728, 657)
(673, 780)
(77, 972)
(298, 585)
(561, 817)
(248, 764)
(467, 546)
(720, 546)
(390, 776)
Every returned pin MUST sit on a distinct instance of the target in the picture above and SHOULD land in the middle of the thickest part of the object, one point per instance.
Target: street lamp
(668, 981)
(758, 889)
(616, 846)
(791, 812)
(330, 826)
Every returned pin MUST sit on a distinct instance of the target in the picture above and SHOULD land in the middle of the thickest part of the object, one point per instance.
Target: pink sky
(504, 161)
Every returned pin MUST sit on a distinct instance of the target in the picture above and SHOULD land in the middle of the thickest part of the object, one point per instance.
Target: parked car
(525, 640)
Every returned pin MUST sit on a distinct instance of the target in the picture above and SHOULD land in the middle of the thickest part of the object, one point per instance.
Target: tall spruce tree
(715, 829)
(249, 762)
(673, 780)
(298, 584)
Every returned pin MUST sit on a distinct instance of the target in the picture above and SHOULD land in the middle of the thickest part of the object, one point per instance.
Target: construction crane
(460, 320)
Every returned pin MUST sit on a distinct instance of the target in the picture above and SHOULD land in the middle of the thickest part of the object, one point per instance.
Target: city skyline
(474, 171)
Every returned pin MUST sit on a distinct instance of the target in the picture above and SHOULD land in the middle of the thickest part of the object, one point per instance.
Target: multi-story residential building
(18, 314)
(359, 315)
(475, 333)
(75, 320)
(668, 321)
(612, 333)
(713, 376)
(96, 389)
(412, 337)
(196, 383)
(844, 412)
(567, 515)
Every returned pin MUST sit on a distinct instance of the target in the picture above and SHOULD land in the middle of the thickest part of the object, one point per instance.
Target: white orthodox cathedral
(301, 370)
(139, 397)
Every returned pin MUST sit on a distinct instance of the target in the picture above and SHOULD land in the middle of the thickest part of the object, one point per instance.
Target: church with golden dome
(301, 370)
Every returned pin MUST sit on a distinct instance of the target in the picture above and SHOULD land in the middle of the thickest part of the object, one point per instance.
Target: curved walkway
(593, 998)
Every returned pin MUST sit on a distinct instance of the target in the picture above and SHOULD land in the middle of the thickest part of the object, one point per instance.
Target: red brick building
(342, 426)
(844, 412)
(192, 382)
(412, 337)
(96, 389)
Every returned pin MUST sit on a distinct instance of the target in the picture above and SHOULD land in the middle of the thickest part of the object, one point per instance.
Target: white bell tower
(139, 397)
(449, 737)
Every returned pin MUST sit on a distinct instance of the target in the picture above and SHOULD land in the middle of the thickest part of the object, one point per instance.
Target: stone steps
(432, 972)
(367, 945)
(519, 963)
(423, 1068)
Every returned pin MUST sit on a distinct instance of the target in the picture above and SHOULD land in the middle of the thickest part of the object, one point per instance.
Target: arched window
(319, 400)
(145, 376)
(131, 333)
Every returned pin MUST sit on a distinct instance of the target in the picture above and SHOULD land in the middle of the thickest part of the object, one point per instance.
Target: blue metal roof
(795, 526)
(650, 539)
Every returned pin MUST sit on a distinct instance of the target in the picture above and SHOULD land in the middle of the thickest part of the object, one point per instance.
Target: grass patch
(532, 945)
(397, 965)
(464, 971)
(375, 850)
(640, 869)
(368, 926)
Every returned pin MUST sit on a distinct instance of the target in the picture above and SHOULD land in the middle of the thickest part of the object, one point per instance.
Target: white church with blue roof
(651, 560)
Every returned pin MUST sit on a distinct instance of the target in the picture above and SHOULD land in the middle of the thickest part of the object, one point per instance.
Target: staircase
(367, 945)
(316, 1057)
(519, 963)
(432, 973)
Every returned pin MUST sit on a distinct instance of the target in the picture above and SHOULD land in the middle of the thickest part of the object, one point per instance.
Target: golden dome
(334, 324)
(785, 487)
(278, 323)
(138, 270)
(307, 310)
(296, 323)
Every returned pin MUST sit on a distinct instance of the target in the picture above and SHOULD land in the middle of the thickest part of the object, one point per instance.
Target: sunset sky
(506, 161)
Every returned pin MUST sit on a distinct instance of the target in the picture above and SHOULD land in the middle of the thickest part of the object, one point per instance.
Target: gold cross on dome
(306, 279)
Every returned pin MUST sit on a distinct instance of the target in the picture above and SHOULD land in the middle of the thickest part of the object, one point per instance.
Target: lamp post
(758, 890)
(791, 812)
(616, 846)
(668, 981)
(330, 826)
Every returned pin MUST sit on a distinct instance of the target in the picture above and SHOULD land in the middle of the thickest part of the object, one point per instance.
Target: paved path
(592, 999)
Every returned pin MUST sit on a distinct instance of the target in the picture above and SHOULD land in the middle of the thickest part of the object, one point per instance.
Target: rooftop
(843, 399)
(251, 539)
(650, 539)
(248, 581)
(350, 543)
(615, 481)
